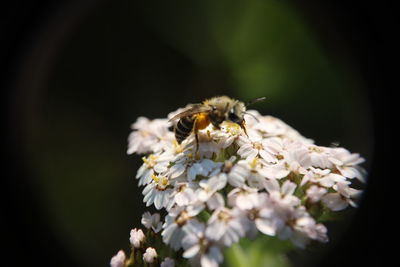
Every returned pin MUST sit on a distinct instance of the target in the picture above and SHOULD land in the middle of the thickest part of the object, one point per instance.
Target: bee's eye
(233, 117)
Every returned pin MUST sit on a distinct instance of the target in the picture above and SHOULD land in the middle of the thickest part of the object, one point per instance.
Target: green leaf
(235, 256)
(263, 251)
(204, 216)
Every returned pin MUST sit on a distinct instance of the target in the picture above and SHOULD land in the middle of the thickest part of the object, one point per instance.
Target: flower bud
(118, 260)
(137, 238)
(150, 255)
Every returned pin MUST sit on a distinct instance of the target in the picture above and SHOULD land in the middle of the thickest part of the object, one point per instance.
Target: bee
(215, 111)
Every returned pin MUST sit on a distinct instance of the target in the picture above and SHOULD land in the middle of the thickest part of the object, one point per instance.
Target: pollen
(164, 181)
(150, 161)
(316, 149)
(232, 128)
(155, 178)
(254, 163)
(202, 121)
(182, 218)
(178, 148)
(224, 216)
(258, 146)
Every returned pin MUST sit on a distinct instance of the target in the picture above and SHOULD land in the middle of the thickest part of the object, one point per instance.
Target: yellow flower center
(258, 146)
(316, 149)
(254, 163)
(178, 148)
(162, 182)
(151, 161)
(224, 216)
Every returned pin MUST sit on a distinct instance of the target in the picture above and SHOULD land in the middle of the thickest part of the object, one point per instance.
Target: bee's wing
(193, 109)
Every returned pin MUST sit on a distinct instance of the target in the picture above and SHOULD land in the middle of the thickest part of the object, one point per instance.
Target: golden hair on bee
(215, 111)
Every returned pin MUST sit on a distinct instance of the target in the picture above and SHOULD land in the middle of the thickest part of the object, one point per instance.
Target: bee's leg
(195, 130)
(243, 126)
(197, 142)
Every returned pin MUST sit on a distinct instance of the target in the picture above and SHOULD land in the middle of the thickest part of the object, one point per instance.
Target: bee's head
(236, 113)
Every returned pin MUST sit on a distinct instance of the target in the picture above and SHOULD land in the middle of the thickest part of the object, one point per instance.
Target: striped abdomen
(183, 128)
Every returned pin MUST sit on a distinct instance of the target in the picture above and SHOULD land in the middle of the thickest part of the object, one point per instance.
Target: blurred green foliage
(263, 251)
(128, 59)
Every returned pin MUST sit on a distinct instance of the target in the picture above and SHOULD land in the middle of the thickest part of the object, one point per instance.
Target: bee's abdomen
(183, 128)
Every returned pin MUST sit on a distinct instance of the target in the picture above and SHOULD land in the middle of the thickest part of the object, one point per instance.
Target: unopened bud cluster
(271, 181)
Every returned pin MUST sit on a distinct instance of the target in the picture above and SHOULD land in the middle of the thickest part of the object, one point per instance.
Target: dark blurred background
(79, 73)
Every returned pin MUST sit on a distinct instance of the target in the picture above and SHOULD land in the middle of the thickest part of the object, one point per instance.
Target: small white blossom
(249, 149)
(243, 198)
(251, 171)
(292, 157)
(347, 163)
(320, 156)
(150, 255)
(137, 238)
(152, 221)
(198, 248)
(315, 193)
(226, 225)
(152, 164)
(304, 228)
(262, 215)
(342, 198)
(284, 205)
(147, 135)
(229, 133)
(313, 230)
(215, 201)
(158, 192)
(118, 260)
(209, 187)
(205, 168)
(180, 164)
(177, 218)
(273, 127)
(184, 194)
(237, 174)
(323, 177)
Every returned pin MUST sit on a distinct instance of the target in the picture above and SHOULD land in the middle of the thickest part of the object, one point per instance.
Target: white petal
(215, 230)
(182, 198)
(245, 149)
(267, 156)
(161, 167)
(245, 202)
(274, 172)
(177, 170)
(158, 200)
(212, 258)
(349, 172)
(335, 161)
(191, 252)
(265, 227)
(288, 188)
(334, 201)
(216, 201)
(271, 185)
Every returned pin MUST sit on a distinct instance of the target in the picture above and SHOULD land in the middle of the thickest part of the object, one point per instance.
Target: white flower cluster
(270, 181)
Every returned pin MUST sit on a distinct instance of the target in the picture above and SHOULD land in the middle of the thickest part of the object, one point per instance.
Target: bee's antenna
(255, 101)
(252, 116)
